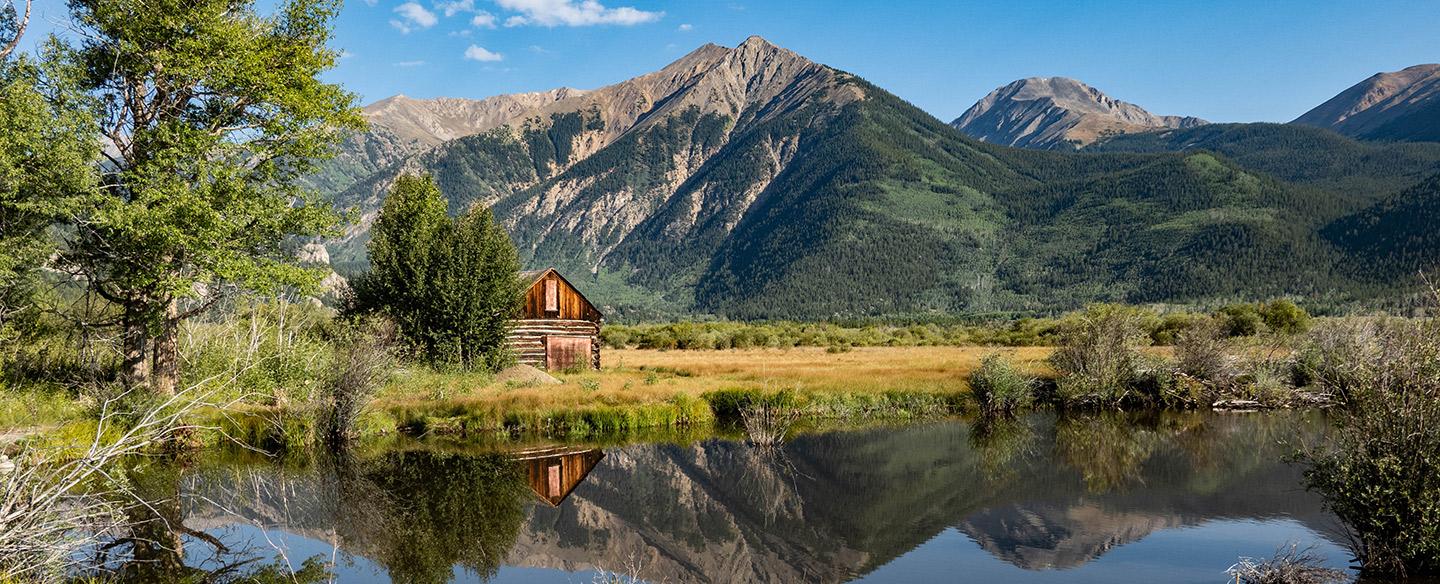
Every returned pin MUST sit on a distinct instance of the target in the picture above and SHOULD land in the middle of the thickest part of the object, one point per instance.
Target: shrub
(1098, 355)
(362, 365)
(998, 387)
(1169, 328)
(728, 403)
(769, 418)
(1380, 473)
(1242, 320)
(1285, 317)
(1203, 352)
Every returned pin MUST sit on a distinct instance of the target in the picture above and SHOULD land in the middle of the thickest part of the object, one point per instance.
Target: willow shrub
(998, 387)
(1098, 360)
(1380, 472)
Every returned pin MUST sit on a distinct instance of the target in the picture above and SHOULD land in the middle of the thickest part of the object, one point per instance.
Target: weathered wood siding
(527, 338)
(564, 301)
(555, 325)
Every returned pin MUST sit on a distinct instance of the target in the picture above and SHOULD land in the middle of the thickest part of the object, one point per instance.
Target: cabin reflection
(554, 471)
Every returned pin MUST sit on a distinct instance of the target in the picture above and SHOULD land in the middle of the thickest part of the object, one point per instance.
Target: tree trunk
(133, 338)
(166, 367)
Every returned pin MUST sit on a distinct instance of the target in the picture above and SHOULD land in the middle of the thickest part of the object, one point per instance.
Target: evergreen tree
(450, 284)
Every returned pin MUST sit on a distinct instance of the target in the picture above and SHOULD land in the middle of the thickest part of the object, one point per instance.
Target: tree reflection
(154, 549)
(1107, 449)
(440, 510)
(1004, 443)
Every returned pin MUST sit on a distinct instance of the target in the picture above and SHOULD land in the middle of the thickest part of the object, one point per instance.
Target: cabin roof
(532, 277)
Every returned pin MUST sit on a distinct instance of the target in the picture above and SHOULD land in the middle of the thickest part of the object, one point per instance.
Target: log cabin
(558, 328)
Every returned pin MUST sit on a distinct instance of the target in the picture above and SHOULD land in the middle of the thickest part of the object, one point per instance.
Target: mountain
(750, 182)
(1057, 113)
(400, 127)
(1399, 105)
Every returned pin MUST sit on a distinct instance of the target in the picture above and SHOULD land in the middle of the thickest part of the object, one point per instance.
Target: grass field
(649, 389)
(646, 388)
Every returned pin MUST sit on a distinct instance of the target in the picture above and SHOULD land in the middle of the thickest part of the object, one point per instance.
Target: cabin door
(563, 352)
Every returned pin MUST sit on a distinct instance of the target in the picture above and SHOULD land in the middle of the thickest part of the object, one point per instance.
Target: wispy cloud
(413, 16)
(459, 33)
(344, 55)
(685, 27)
(539, 50)
(453, 7)
(410, 64)
(478, 53)
(483, 19)
(573, 13)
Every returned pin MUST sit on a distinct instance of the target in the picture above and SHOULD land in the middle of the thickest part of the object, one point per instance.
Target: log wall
(527, 338)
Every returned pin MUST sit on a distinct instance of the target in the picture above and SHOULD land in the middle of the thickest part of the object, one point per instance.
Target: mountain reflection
(1039, 493)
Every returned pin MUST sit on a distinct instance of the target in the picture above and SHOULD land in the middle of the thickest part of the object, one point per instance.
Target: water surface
(1157, 498)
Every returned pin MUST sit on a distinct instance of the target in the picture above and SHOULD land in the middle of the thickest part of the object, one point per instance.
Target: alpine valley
(750, 182)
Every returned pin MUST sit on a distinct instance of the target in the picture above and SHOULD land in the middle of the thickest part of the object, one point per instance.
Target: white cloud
(459, 33)
(483, 19)
(685, 28)
(410, 64)
(573, 13)
(478, 53)
(413, 16)
(453, 7)
(344, 55)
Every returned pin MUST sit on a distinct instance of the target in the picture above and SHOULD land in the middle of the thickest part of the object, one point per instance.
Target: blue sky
(1221, 60)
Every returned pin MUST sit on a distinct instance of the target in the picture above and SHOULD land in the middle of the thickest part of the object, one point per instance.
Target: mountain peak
(1057, 112)
(756, 41)
(1396, 105)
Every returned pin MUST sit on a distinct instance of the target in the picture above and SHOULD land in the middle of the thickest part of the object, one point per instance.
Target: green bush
(1380, 472)
(1098, 355)
(1285, 317)
(1242, 320)
(998, 388)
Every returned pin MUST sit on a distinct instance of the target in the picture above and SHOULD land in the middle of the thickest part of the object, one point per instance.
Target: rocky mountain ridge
(1057, 113)
(744, 182)
(1398, 105)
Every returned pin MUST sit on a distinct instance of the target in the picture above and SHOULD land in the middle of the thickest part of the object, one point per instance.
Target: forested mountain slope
(753, 183)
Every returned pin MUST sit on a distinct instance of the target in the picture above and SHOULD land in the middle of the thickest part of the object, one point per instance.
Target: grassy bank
(646, 389)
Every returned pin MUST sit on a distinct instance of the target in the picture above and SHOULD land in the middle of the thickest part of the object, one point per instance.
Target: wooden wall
(527, 338)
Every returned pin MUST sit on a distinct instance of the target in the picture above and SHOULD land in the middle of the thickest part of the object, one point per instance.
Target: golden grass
(634, 376)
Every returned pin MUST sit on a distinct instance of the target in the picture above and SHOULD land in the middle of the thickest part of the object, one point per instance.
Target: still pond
(1109, 498)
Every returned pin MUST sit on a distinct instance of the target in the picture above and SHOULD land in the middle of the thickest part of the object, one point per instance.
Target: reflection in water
(1037, 494)
(553, 472)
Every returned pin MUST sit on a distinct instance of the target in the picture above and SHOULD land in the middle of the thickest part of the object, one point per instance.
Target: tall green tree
(450, 284)
(47, 155)
(211, 114)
